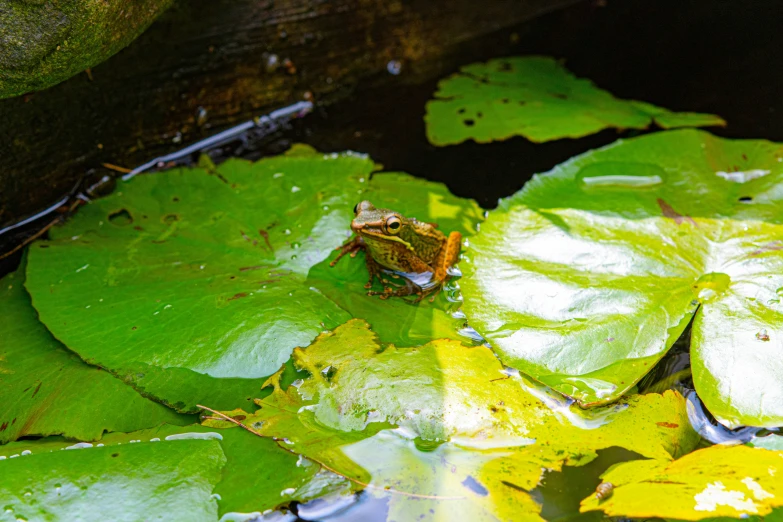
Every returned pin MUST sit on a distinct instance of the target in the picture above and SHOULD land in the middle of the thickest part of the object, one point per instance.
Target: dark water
(708, 56)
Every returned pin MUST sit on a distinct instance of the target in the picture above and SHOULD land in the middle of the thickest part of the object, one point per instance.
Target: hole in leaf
(469, 123)
(121, 217)
(170, 218)
(746, 199)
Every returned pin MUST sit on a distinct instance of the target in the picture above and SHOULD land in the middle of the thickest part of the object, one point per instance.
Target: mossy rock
(43, 42)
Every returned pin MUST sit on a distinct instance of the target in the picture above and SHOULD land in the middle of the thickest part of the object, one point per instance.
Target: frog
(399, 246)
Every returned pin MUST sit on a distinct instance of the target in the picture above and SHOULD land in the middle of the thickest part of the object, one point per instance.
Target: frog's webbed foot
(351, 247)
(410, 288)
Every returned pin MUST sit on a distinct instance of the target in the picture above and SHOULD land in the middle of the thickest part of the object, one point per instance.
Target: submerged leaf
(586, 277)
(713, 482)
(193, 286)
(47, 390)
(535, 97)
(442, 427)
(144, 481)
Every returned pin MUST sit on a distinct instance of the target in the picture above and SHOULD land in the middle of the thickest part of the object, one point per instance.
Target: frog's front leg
(351, 246)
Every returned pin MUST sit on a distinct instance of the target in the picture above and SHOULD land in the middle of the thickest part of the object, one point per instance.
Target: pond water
(662, 52)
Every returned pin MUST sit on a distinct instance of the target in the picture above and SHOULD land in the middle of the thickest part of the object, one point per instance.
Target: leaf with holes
(442, 427)
(194, 285)
(536, 97)
(586, 277)
(47, 390)
(733, 482)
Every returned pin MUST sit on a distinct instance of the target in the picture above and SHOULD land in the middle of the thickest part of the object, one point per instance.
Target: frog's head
(377, 222)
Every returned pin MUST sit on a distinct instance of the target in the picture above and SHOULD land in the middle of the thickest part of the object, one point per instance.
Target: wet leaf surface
(734, 482)
(586, 277)
(46, 389)
(143, 481)
(441, 431)
(258, 475)
(536, 97)
(193, 286)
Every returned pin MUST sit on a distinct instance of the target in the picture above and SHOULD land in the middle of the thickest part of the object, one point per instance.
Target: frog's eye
(356, 208)
(393, 225)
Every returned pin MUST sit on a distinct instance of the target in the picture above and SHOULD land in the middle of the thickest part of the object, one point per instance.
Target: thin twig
(357, 481)
(112, 166)
(38, 234)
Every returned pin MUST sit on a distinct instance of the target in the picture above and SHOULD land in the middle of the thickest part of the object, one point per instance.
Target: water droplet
(79, 445)
(621, 175)
(466, 243)
(710, 286)
(458, 314)
(295, 189)
(427, 445)
(287, 232)
(471, 334)
(27, 452)
(277, 175)
(762, 335)
(742, 176)
(394, 67)
(295, 245)
(779, 291)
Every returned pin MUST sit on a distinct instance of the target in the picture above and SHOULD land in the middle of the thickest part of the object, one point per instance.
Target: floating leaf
(442, 427)
(193, 284)
(47, 390)
(586, 277)
(272, 477)
(539, 99)
(144, 481)
(179, 281)
(718, 481)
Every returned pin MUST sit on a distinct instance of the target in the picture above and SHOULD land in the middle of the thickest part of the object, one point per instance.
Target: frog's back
(425, 239)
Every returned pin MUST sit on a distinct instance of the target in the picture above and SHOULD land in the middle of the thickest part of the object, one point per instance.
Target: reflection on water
(711, 430)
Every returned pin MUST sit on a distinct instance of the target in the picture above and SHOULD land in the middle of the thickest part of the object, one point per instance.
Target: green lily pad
(271, 478)
(144, 481)
(47, 390)
(586, 277)
(536, 97)
(713, 482)
(188, 283)
(195, 285)
(442, 427)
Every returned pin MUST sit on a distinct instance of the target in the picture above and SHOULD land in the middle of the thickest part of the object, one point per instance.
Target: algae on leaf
(47, 390)
(536, 97)
(586, 277)
(142, 481)
(719, 481)
(443, 427)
